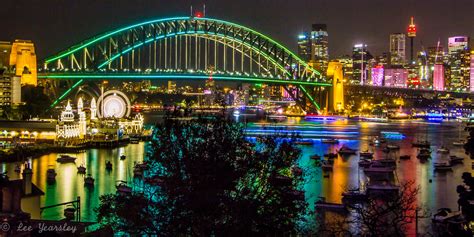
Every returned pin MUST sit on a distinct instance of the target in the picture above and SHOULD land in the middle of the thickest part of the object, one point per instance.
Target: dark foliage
(204, 178)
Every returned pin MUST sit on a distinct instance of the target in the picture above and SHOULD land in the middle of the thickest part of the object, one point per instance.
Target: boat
(424, 153)
(405, 157)
(277, 117)
(421, 144)
(330, 140)
(382, 188)
(364, 163)
(456, 159)
(315, 157)
(366, 154)
(300, 142)
(442, 166)
(51, 174)
(89, 181)
(329, 206)
(347, 151)
(69, 212)
(354, 195)
(388, 161)
(330, 155)
(18, 168)
(134, 140)
(137, 171)
(326, 166)
(81, 169)
(378, 168)
(392, 135)
(123, 188)
(393, 147)
(444, 214)
(443, 150)
(108, 165)
(123, 157)
(459, 143)
(66, 159)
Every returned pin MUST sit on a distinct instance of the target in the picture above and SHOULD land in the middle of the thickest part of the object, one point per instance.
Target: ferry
(456, 159)
(330, 140)
(378, 168)
(443, 150)
(66, 159)
(393, 147)
(347, 151)
(442, 166)
(329, 206)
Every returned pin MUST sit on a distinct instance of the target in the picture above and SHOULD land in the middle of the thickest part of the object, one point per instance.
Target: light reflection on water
(441, 192)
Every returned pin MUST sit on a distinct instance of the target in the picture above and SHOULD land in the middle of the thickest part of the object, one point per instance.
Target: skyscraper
(459, 62)
(304, 46)
(438, 77)
(471, 81)
(360, 57)
(397, 49)
(411, 35)
(319, 46)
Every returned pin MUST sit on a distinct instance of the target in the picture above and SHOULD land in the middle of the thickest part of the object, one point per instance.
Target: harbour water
(440, 192)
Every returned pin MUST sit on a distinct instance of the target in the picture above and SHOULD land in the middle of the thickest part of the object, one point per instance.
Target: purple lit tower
(438, 77)
(377, 75)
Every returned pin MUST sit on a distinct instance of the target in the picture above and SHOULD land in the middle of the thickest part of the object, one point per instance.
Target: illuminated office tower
(360, 58)
(438, 77)
(347, 67)
(319, 46)
(304, 46)
(377, 75)
(5, 50)
(397, 49)
(459, 62)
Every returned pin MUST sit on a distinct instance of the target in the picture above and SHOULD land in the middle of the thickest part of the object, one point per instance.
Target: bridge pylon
(337, 90)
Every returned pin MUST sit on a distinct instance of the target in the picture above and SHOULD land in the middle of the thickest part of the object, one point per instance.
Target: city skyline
(372, 25)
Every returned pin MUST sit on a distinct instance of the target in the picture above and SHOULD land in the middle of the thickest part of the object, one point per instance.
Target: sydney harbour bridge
(192, 48)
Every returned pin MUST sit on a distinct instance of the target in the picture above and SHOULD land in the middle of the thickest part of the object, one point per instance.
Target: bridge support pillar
(336, 104)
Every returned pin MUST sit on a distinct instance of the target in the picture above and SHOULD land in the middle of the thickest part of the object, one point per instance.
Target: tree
(382, 214)
(204, 178)
(36, 101)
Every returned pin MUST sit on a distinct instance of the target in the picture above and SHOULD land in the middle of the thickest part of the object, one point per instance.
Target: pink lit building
(471, 81)
(377, 75)
(438, 77)
(396, 77)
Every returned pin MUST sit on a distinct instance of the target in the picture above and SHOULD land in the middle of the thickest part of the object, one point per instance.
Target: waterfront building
(171, 87)
(10, 88)
(67, 127)
(360, 57)
(133, 126)
(459, 62)
(20, 199)
(378, 75)
(23, 59)
(396, 77)
(438, 77)
(397, 49)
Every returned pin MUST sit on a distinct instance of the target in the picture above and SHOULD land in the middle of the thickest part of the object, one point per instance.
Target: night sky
(57, 24)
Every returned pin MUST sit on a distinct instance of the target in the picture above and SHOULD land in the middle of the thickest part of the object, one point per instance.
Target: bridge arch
(183, 47)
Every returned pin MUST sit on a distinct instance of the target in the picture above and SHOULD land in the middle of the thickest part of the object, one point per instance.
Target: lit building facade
(319, 46)
(395, 77)
(438, 77)
(23, 59)
(377, 75)
(411, 32)
(10, 88)
(471, 82)
(304, 46)
(459, 62)
(347, 67)
(397, 49)
(360, 58)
